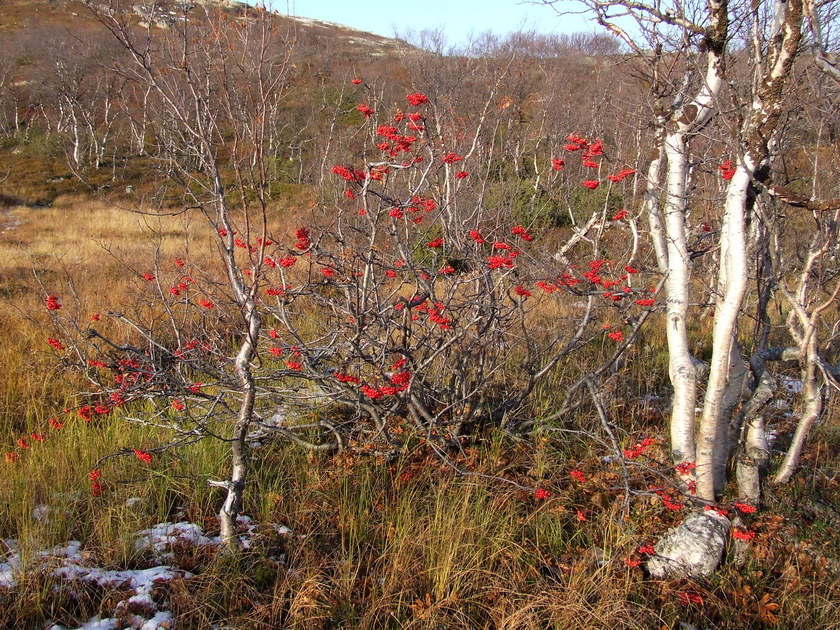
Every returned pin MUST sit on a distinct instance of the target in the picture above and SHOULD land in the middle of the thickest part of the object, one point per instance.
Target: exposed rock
(694, 549)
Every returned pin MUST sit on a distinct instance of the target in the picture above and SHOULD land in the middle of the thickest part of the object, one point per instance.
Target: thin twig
(625, 510)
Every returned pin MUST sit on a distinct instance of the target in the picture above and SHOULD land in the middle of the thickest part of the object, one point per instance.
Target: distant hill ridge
(18, 15)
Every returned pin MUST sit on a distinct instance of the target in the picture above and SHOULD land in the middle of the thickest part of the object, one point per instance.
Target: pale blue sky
(458, 18)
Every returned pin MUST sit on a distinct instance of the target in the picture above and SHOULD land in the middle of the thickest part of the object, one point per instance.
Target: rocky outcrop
(693, 549)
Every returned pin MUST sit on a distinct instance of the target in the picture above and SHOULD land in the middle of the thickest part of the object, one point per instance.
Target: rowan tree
(400, 303)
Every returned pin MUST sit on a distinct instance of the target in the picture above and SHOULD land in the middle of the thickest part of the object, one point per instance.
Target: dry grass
(375, 544)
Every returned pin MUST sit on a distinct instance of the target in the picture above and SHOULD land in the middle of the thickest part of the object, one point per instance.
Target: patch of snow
(162, 619)
(139, 600)
(96, 623)
(140, 580)
(791, 385)
(68, 563)
(69, 551)
(8, 572)
(162, 535)
(10, 568)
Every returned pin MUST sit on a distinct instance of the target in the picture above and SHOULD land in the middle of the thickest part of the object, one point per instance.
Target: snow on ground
(791, 385)
(11, 567)
(139, 609)
(162, 620)
(163, 535)
(96, 623)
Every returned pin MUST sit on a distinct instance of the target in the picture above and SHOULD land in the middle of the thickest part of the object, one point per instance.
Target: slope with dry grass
(373, 542)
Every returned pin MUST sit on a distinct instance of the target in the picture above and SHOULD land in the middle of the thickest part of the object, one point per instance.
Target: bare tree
(686, 37)
(773, 53)
(213, 80)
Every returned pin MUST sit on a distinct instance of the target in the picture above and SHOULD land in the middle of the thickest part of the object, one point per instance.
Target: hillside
(57, 47)
(19, 16)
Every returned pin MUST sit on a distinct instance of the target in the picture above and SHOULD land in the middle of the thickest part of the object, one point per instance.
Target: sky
(458, 18)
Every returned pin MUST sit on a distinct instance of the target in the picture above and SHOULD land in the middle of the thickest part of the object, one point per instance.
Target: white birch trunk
(76, 140)
(712, 439)
(782, 45)
(754, 455)
(650, 205)
(753, 459)
(811, 409)
(681, 364)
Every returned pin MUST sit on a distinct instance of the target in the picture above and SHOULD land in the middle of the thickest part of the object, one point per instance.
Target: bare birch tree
(772, 56)
(213, 79)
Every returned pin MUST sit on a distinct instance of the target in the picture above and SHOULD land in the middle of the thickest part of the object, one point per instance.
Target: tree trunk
(681, 364)
(712, 443)
(242, 367)
(650, 205)
(753, 453)
(811, 409)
